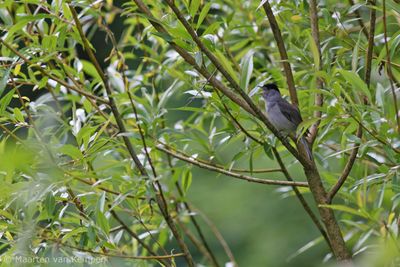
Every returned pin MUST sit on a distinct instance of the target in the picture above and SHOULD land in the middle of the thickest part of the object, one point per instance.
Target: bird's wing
(290, 111)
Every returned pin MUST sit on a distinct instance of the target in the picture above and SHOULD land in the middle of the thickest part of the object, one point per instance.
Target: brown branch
(300, 197)
(346, 170)
(159, 199)
(311, 171)
(282, 51)
(229, 173)
(255, 110)
(389, 67)
(333, 231)
(368, 67)
(319, 82)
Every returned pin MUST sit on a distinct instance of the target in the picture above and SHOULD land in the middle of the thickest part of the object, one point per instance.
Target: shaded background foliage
(64, 167)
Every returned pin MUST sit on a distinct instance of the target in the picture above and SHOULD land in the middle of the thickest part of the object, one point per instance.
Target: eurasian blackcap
(284, 116)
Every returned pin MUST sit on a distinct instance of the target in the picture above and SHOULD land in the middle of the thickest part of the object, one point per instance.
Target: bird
(284, 116)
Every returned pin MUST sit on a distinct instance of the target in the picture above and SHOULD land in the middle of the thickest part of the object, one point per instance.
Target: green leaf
(187, 180)
(268, 150)
(194, 6)
(246, 70)
(314, 51)
(71, 151)
(102, 202)
(203, 14)
(212, 28)
(356, 82)
(226, 64)
(90, 69)
(3, 79)
(347, 210)
(50, 203)
(102, 222)
(18, 115)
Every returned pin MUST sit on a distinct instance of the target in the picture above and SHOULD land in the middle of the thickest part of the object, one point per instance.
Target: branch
(300, 197)
(229, 173)
(160, 200)
(389, 68)
(282, 51)
(303, 159)
(319, 82)
(368, 64)
(283, 169)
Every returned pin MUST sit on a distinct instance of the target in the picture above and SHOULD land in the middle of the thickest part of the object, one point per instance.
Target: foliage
(72, 124)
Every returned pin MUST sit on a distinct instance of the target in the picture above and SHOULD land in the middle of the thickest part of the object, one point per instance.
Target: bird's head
(270, 89)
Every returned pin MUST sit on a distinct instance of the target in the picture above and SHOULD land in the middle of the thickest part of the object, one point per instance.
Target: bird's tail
(304, 142)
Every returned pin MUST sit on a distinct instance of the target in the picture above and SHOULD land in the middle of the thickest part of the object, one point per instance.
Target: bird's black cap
(270, 86)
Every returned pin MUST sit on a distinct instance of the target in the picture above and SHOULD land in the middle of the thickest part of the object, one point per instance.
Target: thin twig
(353, 155)
(229, 173)
(304, 160)
(300, 197)
(389, 67)
(282, 51)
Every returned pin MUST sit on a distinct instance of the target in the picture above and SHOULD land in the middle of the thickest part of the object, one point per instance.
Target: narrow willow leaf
(347, 210)
(102, 222)
(71, 151)
(246, 70)
(3, 79)
(187, 180)
(314, 51)
(194, 6)
(203, 14)
(227, 64)
(356, 82)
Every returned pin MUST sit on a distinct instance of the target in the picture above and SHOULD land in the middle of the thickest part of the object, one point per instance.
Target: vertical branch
(319, 83)
(282, 51)
(163, 206)
(368, 66)
(389, 68)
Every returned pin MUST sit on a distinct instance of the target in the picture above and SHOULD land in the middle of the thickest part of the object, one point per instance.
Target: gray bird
(284, 116)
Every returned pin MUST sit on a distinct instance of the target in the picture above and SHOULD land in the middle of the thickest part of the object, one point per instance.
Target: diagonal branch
(303, 159)
(159, 199)
(282, 51)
